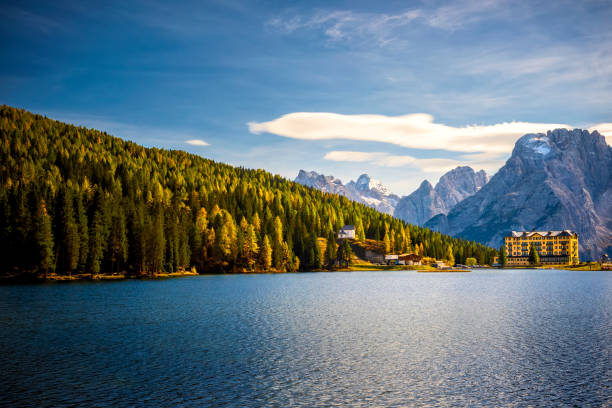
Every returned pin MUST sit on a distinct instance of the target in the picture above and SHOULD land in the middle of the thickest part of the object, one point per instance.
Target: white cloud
(345, 24)
(433, 165)
(413, 131)
(196, 142)
(605, 129)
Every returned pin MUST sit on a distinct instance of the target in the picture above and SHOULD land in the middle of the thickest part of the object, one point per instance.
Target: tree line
(77, 200)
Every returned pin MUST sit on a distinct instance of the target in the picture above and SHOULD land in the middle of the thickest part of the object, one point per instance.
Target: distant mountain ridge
(558, 180)
(427, 201)
(365, 190)
(416, 208)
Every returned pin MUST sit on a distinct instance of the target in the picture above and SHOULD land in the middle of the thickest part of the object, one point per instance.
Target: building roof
(348, 227)
(411, 256)
(524, 234)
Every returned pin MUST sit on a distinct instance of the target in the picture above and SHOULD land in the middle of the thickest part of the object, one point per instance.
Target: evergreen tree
(118, 243)
(44, 239)
(97, 235)
(534, 257)
(83, 232)
(387, 243)
(344, 253)
(252, 248)
(503, 258)
(277, 244)
(317, 259)
(67, 234)
(330, 252)
(359, 232)
(449, 255)
(265, 259)
(201, 221)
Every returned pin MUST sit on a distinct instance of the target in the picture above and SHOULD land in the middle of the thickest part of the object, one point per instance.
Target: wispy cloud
(345, 25)
(461, 13)
(32, 20)
(197, 142)
(550, 66)
(417, 131)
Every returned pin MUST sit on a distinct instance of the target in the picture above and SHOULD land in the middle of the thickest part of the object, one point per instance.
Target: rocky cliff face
(365, 190)
(553, 181)
(328, 184)
(427, 201)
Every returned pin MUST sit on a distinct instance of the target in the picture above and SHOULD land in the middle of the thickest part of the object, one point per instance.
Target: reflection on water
(527, 337)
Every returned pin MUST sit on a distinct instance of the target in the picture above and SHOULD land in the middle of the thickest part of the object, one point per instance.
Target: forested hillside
(78, 200)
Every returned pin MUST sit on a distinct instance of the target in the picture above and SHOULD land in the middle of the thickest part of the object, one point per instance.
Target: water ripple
(489, 338)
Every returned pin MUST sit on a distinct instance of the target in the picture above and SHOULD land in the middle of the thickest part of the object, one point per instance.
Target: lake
(486, 338)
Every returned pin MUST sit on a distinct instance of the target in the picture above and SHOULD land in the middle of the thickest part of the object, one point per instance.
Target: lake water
(486, 338)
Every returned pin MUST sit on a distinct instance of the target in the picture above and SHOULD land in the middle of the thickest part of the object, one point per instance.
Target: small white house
(348, 231)
(392, 259)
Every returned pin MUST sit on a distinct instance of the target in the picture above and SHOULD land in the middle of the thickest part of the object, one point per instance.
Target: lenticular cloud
(417, 131)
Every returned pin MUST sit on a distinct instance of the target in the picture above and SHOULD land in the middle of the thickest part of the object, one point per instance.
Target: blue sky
(402, 91)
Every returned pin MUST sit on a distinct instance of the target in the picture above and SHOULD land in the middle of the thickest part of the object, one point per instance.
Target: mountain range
(416, 208)
(428, 201)
(558, 180)
(365, 190)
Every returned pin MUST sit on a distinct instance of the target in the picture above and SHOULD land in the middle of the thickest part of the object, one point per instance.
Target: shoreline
(29, 278)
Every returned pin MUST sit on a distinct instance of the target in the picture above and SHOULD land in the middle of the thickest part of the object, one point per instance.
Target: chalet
(348, 231)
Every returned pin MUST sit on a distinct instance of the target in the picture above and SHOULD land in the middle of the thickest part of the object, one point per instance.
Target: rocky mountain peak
(428, 201)
(561, 179)
(425, 186)
(365, 190)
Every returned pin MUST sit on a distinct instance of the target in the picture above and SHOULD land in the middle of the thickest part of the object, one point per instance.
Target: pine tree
(534, 257)
(44, 239)
(252, 247)
(387, 243)
(317, 259)
(344, 253)
(359, 232)
(67, 234)
(118, 243)
(197, 248)
(155, 242)
(330, 252)
(201, 221)
(449, 255)
(503, 258)
(265, 259)
(83, 231)
(97, 234)
(277, 244)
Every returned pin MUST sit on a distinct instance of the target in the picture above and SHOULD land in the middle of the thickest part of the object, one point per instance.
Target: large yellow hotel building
(554, 247)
